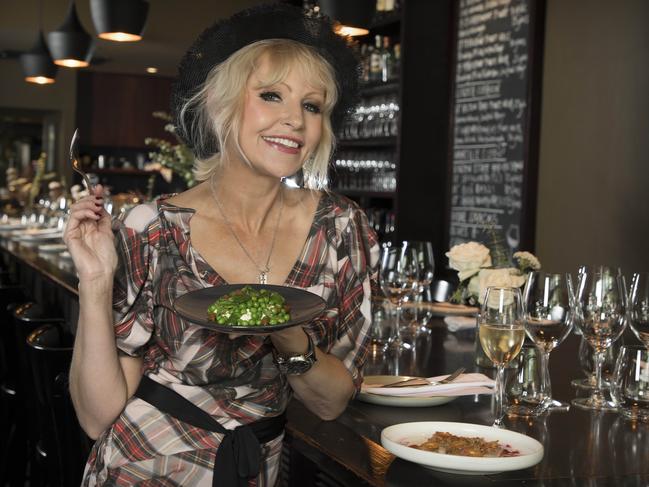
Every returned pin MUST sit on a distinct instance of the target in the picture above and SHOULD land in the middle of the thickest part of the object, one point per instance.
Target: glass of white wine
(502, 333)
(638, 312)
(548, 310)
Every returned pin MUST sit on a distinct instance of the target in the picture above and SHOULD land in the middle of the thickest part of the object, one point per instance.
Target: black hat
(267, 21)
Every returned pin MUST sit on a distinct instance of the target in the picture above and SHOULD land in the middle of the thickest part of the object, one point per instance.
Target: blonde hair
(218, 104)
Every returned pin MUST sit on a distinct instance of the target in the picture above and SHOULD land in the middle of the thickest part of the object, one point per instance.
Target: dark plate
(304, 306)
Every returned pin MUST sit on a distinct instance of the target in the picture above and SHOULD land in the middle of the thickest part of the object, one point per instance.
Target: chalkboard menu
(494, 141)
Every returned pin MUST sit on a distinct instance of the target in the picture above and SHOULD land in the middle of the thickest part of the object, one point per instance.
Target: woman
(170, 402)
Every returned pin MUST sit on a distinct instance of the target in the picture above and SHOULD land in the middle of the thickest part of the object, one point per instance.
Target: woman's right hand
(90, 239)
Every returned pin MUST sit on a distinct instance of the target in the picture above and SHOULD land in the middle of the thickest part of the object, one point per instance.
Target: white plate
(399, 401)
(396, 438)
(5, 227)
(37, 237)
(52, 248)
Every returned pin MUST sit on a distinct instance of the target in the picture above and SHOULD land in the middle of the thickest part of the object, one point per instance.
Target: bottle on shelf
(365, 51)
(396, 61)
(387, 61)
(376, 60)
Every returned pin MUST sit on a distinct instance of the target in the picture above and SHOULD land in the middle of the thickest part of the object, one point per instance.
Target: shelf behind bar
(379, 142)
(372, 89)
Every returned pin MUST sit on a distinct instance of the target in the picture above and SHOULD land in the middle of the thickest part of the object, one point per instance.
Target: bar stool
(23, 452)
(9, 295)
(50, 353)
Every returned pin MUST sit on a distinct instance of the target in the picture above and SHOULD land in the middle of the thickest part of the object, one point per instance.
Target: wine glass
(601, 308)
(587, 364)
(501, 333)
(548, 305)
(396, 280)
(639, 306)
(419, 259)
(630, 385)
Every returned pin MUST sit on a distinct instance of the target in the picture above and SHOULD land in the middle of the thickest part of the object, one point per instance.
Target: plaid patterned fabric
(233, 380)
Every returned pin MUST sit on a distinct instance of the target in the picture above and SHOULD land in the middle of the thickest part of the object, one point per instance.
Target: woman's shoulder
(139, 217)
(339, 205)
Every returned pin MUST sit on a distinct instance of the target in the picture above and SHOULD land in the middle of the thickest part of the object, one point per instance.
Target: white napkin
(457, 323)
(464, 385)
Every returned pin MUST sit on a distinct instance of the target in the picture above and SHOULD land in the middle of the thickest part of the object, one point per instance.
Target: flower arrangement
(476, 272)
(176, 157)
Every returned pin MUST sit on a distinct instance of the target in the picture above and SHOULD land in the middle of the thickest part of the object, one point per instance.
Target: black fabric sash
(238, 457)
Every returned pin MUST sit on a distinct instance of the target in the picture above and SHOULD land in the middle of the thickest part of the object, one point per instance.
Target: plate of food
(398, 401)
(462, 448)
(249, 308)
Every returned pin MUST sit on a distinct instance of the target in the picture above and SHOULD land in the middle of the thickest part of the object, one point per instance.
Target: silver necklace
(265, 270)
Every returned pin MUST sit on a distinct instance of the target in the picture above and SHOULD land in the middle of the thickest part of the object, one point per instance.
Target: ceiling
(171, 27)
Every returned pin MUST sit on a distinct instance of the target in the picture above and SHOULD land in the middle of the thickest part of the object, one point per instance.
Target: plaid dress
(233, 380)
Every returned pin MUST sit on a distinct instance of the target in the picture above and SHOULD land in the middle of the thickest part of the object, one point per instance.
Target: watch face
(298, 365)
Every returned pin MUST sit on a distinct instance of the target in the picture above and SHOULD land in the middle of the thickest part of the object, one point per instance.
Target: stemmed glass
(501, 333)
(419, 258)
(639, 306)
(397, 278)
(548, 305)
(601, 309)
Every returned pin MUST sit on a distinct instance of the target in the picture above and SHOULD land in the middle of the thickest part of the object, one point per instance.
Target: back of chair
(50, 353)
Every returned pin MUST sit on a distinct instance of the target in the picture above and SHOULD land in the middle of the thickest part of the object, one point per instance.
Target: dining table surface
(581, 447)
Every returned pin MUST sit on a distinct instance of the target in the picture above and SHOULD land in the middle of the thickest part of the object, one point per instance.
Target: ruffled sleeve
(356, 282)
(132, 286)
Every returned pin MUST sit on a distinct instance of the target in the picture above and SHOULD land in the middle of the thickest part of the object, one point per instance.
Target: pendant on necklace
(263, 277)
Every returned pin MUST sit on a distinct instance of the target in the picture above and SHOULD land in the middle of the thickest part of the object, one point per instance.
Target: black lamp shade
(71, 46)
(350, 13)
(119, 20)
(37, 63)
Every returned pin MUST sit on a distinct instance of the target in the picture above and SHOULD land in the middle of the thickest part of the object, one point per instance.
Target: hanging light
(37, 63)
(119, 20)
(354, 17)
(71, 46)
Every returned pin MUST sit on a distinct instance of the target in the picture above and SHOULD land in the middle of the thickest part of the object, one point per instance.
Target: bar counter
(581, 447)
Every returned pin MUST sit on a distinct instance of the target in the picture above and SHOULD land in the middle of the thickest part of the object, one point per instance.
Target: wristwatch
(295, 364)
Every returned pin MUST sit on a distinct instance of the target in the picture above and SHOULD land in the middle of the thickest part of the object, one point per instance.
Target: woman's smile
(288, 145)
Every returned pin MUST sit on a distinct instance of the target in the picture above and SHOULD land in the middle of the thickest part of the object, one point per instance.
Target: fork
(417, 381)
(76, 163)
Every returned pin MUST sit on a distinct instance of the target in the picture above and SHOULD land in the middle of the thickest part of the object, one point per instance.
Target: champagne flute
(501, 333)
(548, 310)
(639, 306)
(396, 281)
(601, 309)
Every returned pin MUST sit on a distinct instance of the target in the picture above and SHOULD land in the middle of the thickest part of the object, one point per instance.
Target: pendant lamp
(71, 46)
(119, 20)
(37, 63)
(354, 16)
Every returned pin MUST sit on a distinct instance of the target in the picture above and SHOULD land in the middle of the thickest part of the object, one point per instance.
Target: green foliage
(177, 157)
(498, 250)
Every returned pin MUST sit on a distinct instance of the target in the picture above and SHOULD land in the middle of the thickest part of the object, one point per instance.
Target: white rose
(527, 260)
(468, 258)
(508, 277)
